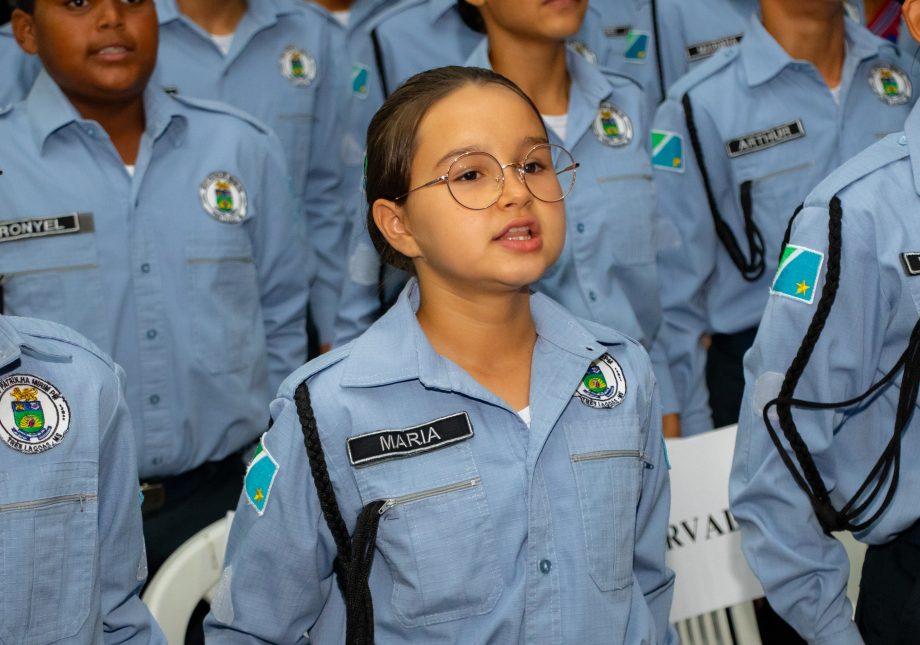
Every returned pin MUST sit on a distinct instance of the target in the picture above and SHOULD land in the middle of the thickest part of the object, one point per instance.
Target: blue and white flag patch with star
(260, 476)
(797, 274)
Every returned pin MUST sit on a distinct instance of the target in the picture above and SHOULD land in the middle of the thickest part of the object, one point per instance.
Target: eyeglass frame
(519, 167)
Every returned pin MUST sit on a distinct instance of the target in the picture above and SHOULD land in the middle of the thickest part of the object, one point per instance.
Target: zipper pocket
(612, 454)
(425, 494)
(49, 501)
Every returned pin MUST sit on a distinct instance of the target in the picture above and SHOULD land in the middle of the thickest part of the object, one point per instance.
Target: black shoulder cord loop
(809, 479)
(658, 62)
(751, 269)
(354, 554)
(378, 61)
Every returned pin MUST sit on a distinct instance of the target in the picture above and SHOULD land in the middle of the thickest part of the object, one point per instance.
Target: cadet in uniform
(162, 228)
(735, 148)
(273, 59)
(503, 458)
(828, 432)
(69, 510)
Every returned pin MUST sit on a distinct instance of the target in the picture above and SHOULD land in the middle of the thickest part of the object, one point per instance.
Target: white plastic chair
(186, 578)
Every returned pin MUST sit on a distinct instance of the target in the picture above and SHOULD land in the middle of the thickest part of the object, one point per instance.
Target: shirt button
(154, 399)
(157, 461)
(592, 295)
(151, 333)
(903, 140)
(581, 228)
(145, 268)
(545, 566)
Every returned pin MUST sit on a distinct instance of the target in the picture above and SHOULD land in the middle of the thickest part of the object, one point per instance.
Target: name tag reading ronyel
(389, 444)
(23, 229)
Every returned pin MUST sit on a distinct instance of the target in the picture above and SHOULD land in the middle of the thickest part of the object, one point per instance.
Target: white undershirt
(342, 17)
(835, 92)
(558, 124)
(130, 169)
(223, 42)
(525, 415)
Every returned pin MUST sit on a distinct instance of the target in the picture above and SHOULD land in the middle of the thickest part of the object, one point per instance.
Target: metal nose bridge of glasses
(564, 166)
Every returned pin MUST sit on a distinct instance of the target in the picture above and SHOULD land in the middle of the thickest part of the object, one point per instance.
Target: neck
(217, 17)
(811, 31)
(537, 67)
(123, 121)
(335, 5)
(488, 334)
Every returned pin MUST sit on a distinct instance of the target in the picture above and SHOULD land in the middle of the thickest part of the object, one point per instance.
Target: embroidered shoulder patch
(34, 415)
(260, 477)
(637, 46)
(667, 150)
(388, 444)
(797, 274)
(603, 385)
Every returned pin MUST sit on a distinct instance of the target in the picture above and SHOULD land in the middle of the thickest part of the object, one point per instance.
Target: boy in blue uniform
(162, 228)
(829, 433)
(69, 509)
(273, 59)
(504, 458)
(735, 148)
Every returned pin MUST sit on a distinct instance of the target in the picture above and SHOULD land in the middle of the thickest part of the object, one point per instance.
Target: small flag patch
(260, 476)
(797, 274)
(667, 150)
(637, 46)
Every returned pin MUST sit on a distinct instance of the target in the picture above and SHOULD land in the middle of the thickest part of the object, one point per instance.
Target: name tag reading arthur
(388, 444)
(33, 227)
(765, 138)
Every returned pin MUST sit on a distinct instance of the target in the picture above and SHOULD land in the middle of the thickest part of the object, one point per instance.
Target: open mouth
(517, 234)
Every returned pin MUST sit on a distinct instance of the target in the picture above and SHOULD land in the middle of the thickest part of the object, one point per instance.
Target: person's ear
(393, 225)
(911, 12)
(24, 31)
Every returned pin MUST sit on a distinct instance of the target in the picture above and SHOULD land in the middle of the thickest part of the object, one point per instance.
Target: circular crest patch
(34, 416)
(611, 125)
(890, 84)
(298, 66)
(603, 385)
(223, 197)
(583, 50)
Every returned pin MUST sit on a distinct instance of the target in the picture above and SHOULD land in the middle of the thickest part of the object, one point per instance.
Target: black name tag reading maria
(699, 51)
(765, 138)
(388, 444)
(33, 227)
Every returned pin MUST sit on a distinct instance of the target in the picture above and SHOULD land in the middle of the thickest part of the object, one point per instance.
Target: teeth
(112, 50)
(518, 233)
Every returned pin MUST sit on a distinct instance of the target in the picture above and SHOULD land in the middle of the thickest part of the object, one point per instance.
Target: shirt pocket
(48, 529)
(225, 309)
(608, 463)
(55, 278)
(770, 198)
(628, 198)
(436, 535)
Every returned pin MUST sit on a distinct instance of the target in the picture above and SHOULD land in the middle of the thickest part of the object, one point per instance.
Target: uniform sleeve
(686, 260)
(659, 358)
(123, 562)
(278, 566)
(360, 302)
(326, 214)
(803, 571)
(283, 262)
(654, 578)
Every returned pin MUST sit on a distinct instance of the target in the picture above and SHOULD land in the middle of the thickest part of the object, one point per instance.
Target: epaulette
(219, 108)
(879, 154)
(46, 337)
(619, 80)
(701, 72)
(312, 368)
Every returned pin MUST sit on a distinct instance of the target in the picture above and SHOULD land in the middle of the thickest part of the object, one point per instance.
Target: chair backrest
(186, 578)
(704, 542)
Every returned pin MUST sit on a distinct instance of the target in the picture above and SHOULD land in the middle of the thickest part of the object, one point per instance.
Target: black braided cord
(659, 64)
(751, 269)
(809, 479)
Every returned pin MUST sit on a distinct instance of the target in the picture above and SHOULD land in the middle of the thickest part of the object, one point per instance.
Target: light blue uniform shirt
(803, 571)
(70, 513)
(767, 124)
(555, 534)
(206, 316)
(280, 70)
(19, 69)
(607, 271)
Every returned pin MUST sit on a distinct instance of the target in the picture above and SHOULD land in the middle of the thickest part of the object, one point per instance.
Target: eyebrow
(456, 152)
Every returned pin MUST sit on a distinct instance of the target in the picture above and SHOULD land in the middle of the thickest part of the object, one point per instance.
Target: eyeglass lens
(476, 180)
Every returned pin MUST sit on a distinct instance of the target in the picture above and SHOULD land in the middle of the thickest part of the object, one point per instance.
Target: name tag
(617, 31)
(699, 51)
(24, 229)
(911, 263)
(765, 138)
(389, 444)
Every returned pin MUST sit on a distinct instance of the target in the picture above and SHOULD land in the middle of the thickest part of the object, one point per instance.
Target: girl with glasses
(480, 465)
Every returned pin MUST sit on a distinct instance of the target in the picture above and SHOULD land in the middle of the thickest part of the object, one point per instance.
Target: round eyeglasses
(476, 179)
